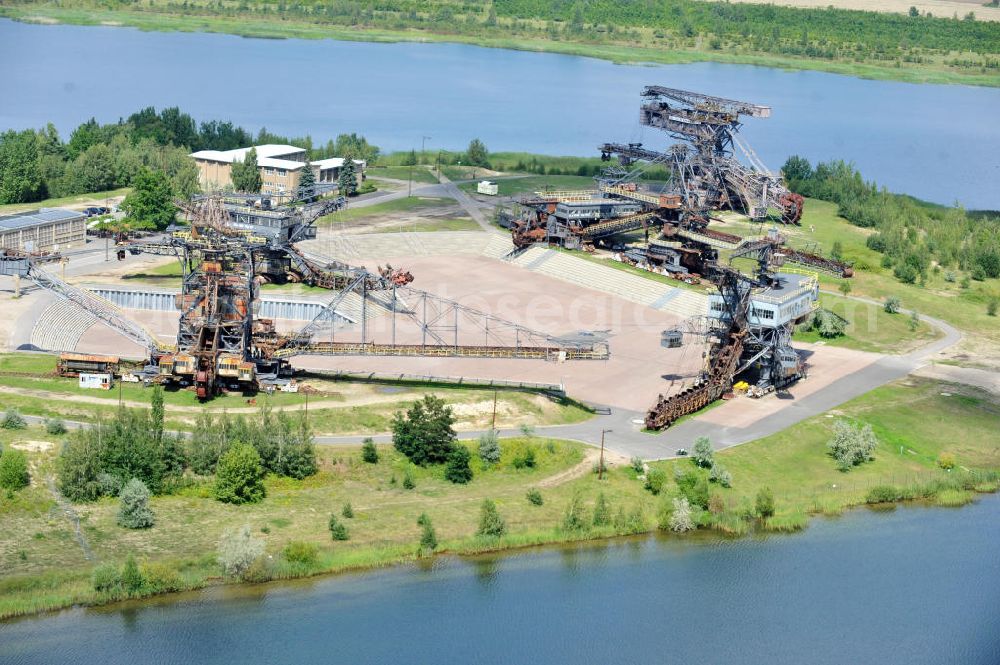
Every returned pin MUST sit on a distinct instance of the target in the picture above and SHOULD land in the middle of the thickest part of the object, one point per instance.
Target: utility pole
(494, 426)
(409, 184)
(600, 465)
(423, 140)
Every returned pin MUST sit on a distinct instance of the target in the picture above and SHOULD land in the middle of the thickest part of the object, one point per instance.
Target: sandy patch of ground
(941, 8)
(33, 446)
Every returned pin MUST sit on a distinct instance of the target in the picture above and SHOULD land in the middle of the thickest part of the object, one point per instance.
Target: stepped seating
(384, 245)
(61, 326)
(498, 246)
(630, 287)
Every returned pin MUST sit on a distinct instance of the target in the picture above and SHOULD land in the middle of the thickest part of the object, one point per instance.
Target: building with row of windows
(280, 167)
(44, 230)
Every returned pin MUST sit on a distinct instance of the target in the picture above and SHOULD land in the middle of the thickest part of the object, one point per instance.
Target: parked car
(682, 452)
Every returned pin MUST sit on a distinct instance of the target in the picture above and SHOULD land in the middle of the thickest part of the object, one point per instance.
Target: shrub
(238, 550)
(695, 488)
(14, 470)
(883, 494)
(851, 445)
(655, 480)
(575, 517)
(602, 512)
(79, 469)
(55, 426)
(764, 503)
(638, 465)
(160, 578)
(106, 578)
(110, 485)
(535, 497)
(681, 519)
(134, 511)
(702, 454)
(299, 552)
(636, 521)
(347, 510)
(428, 538)
(489, 448)
(991, 306)
(891, 305)
(524, 459)
(458, 470)
(946, 461)
(337, 530)
(13, 420)
(716, 505)
(425, 435)
(239, 477)
(132, 579)
(408, 483)
(369, 453)
(720, 475)
(490, 521)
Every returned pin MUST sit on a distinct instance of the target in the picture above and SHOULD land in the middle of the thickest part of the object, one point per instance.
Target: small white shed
(488, 187)
(100, 381)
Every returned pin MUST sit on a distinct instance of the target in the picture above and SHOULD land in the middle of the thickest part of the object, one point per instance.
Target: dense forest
(35, 165)
(912, 236)
(957, 43)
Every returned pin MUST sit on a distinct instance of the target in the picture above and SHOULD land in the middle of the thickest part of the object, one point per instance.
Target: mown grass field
(419, 173)
(510, 186)
(43, 565)
(335, 406)
(412, 204)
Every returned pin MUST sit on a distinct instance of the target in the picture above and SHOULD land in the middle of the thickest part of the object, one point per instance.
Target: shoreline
(394, 556)
(617, 53)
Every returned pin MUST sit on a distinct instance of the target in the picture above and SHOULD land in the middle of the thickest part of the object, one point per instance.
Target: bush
(946, 461)
(425, 435)
(991, 307)
(55, 426)
(575, 517)
(14, 470)
(428, 538)
(106, 578)
(160, 578)
(489, 448)
(132, 579)
(851, 445)
(720, 475)
(764, 503)
(13, 420)
(638, 465)
(655, 480)
(524, 459)
(347, 511)
(681, 519)
(134, 511)
(238, 550)
(535, 497)
(458, 470)
(110, 485)
(337, 530)
(883, 494)
(490, 521)
(408, 483)
(702, 454)
(602, 512)
(891, 305)
(369, 453)
(694, 487)
(299, 552)
(239, 477)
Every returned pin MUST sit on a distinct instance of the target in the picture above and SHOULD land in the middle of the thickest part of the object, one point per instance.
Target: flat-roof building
(44, 230)
(280, 167)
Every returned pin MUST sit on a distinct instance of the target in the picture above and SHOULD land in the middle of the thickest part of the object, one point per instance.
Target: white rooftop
(267, 155)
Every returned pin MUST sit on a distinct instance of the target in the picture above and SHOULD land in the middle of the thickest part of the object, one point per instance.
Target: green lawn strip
(419, 173)
(528, 184)
(914, 423)
(408, 204)
(164, 19)
(871, 328)
(92, 199)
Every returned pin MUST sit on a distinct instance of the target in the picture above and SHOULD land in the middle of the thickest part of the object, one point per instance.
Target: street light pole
(423, 140)
(409, 183)
(600, 465)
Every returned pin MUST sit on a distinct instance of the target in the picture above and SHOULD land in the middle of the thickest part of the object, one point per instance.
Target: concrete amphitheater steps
(61, 326)
(630, 287)
(384, 245)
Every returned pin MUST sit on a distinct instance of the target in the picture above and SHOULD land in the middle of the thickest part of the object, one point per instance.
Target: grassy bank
(929, 67)
(44, 567)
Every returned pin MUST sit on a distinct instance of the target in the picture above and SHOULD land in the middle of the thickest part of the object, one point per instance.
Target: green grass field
(419, 173)
(92, 199)
(870, 328)
(413, 204)
(510, 186)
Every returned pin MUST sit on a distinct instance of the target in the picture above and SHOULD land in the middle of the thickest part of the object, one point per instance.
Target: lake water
(918, 585)
(940, 143)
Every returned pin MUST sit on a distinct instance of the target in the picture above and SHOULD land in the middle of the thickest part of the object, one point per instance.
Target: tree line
(911, 235)
(38, 164)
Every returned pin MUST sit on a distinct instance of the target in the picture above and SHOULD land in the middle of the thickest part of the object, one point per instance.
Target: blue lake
(940, 143)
